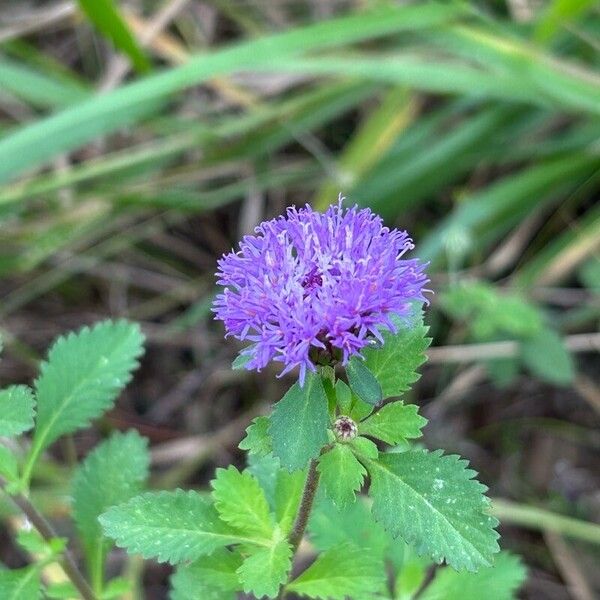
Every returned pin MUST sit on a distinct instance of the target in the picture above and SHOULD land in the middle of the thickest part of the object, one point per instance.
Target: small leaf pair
(183, 526)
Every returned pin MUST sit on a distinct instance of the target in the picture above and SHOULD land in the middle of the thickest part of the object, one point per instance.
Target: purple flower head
(315, 288)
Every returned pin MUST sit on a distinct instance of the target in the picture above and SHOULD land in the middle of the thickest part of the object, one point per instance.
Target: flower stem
(308, 497)
(47, 532)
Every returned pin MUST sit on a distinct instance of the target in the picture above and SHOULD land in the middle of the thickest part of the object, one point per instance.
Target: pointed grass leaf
(299, 423)
(266, 569)
(17, 408)
(241, 502)
(82, 377)
(115, 471)
(499, 581)
(105, 15)
(362, 382)
(172, 527)
(342, 475)
(394, 423)
(35, 143)
(344, 571)
(434, 504)
(395, 363)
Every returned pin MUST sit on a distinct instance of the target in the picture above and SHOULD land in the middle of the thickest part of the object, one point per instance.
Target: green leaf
(257, 440)
(341, 572)
(489, 312)
(350, 404)
(330, 526)
(266, 569)
(394, 423)
(63, 590)
(341, 474)
(545, 355)
(33, 542)
(115, 471)
(412, 571)
(116, 588)
(240, 361)
(215, 572)
(589, 274)
(365, 446)
(502, 371)
(212, 577)
(344, 397)
(266, 470)
(82, 377)
(362, 382)
(169, 526)
(395, 363)
(17, 407)
(500, 582)
(20, 584)
(241, 502)
(360, 409)
(299, 423)
(434, 503)
(9, 468)
(105, 15)
(186, 587)
(288, 493)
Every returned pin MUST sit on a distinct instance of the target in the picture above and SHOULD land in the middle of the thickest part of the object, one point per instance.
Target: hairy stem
(47, 532)
(308, 497)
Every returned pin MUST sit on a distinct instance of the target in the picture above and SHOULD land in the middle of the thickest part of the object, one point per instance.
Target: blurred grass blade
(561, 83)
(532, 517)
(37, 88)
(419, 72)
(372, 141)
(537, 84)
(428, 162)
(261, 132)
(558, 14)
(510, 199)
(34, 144)
(302, 115)
(560, 257)
(105, 15)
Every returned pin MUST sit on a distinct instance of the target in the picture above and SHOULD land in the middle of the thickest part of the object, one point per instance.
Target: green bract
(299, 423)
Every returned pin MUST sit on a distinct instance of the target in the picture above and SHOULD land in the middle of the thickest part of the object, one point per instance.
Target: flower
(315, 288)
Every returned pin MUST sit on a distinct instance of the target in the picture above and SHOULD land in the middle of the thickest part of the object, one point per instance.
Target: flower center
(312, 280)
(345, 429)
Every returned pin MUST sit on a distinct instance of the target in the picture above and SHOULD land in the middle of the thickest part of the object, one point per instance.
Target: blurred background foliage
(140, 139)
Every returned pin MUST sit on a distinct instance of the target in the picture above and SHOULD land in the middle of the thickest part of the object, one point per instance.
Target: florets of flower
(315, 288)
